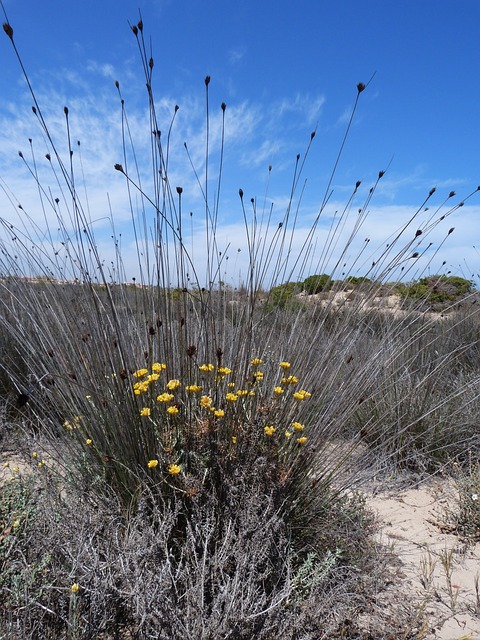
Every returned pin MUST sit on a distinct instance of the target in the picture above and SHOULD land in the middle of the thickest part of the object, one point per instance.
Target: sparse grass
(199, 435)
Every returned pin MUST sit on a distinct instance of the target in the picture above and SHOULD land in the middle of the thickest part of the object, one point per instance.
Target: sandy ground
(438, 571)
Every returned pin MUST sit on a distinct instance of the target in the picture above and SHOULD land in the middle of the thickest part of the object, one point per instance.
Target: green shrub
(437, 289)
(317, 283)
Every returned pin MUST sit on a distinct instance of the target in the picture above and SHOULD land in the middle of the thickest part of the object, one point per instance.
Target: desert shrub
(283, 295)
(198, 436)
(437, 289)
(317, 283)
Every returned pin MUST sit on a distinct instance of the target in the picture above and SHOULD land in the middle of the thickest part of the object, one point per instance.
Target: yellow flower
(301, 440)
(34, 454)
(193, 388)
(290, 380)
(269, 431)
(152, 464)
(234, 439)
(75, 587)
(298, 427)
(158, 367)
(165, 397)
(231, 397)
(140, 387)
(88, 441)
(231, 385)
(205, 402)
(16, 469)
(174, 469)
(256, 362)
(6, 464)
(288, 434)
(258, 375)
(285, 365)
(140, 373)
(301, 395)
(173, 384)
(251, 393)
(41, 464)
(206, 367)
(219, 413)
(278, 390)
(145, 411)
(225, 371)
(68, 425)
(242, 392)
(172, 410)
(153, 377)
(16, 523)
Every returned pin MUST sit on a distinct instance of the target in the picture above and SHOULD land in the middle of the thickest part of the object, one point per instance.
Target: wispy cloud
(236, 54)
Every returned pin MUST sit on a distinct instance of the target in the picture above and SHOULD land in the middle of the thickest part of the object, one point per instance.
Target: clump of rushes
(173, 392)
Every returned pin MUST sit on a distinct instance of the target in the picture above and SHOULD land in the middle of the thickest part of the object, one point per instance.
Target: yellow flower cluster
(302, 395)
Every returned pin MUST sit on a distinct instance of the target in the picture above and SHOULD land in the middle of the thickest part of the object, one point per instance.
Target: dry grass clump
(198, 436)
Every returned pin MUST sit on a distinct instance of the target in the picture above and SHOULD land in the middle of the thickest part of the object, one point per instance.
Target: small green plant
(466, 517)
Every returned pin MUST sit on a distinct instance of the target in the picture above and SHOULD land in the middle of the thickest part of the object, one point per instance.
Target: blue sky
(283, 69)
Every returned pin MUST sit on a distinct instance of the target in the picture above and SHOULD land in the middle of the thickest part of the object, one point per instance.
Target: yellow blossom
(251, 393)
(298, 427)
(205, 402)
(290, 380)
(41, 464)
(225, 371)
(193, 388)
(174, 469)
(231, 385)
(145, 411)
(153, 377)
(206, 367)
(16, 469)
(140, 373)
(16, 523)
(231, 397)
(269, 431)
(258, 375)
(256, 362)
(165, 397)
(152, 464)
(285, 365)
(172, 410)
(278, 390)
(301, 395)
(173, 384)
(288, 434)
(301, 440)
(75, 587)
(234, 439)
(34, 454)
(6, 464)
(68, 425)
(242, 392)
(88, 441)
(158, 367)
(219, 413)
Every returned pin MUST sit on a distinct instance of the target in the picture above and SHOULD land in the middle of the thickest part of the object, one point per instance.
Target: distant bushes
(434, 289)
(437, 288)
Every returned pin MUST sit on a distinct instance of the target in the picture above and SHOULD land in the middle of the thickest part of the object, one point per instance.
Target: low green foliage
(317, 283)
(436, 289)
